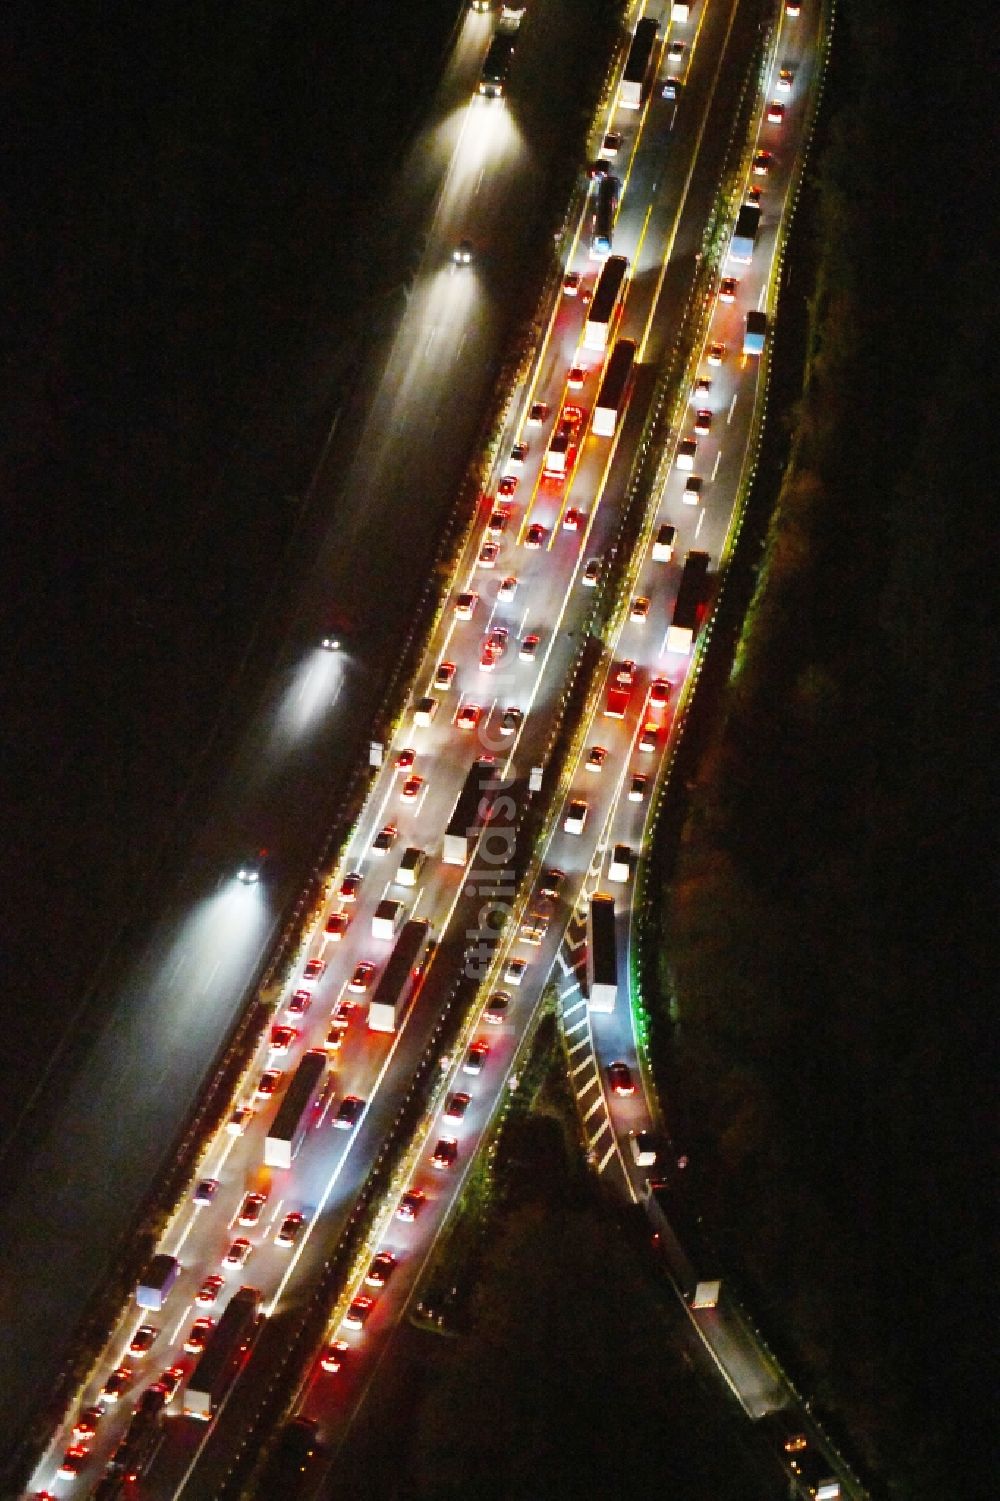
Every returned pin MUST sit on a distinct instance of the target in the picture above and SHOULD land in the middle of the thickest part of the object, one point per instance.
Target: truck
(220, 1361)
(400, 980)
(689, 602)
(755, 333)
(387, 919)
(470, 814)
(134, 1454)
(160, 1276)
(635, 78)
(296, 1111)
(745, 234)
(493, 79)
(602, 953)
(613, 395)
(602, 315)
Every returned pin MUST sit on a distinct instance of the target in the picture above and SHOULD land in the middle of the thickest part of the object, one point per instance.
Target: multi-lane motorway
(668, 161)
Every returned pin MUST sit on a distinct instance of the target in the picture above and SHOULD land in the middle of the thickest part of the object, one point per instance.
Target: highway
(80, 1166)
(663, 210)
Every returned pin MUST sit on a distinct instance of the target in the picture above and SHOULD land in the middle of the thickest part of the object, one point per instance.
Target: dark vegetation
(572, 1375)
(827, 935)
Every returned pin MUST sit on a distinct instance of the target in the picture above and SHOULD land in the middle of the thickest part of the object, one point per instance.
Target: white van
(410, 866)
(663, 547)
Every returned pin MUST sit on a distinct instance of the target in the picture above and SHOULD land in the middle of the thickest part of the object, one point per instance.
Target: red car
(314, 968)
(620, 1079)
(299, 1003)
(337, 925)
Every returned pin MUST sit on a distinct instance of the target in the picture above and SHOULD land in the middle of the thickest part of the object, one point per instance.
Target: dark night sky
(180, 248)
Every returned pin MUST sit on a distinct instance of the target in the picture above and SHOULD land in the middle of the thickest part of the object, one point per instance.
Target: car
(691, 495)
(209, 1290)
(702, 422)
(537, 413)
(171, 1379)
(462, 253)
(625, 672)
(649, 736)
(754, 195)
(529, 647)
(206, 1191)
(381, 1269)
(669, 89)
(592, 573)
(572, 418)
(599, 169)
(495, 1011)
(675, 54)
(494, 647)
(508, 485)
(762, 163)
(314, 969)
(534, 929)
(349, 1112)
(143, 1340)
(290, 1229)
(596, 757)
(476, 1058)
(445, 1154)
(488, 554)
(410, 790)
(576, 378)
(571, 283)
(406, 758)
(153, 1399)
(659, 692)
(507, 589)
(640, 608)
(411, 1204)
(572, 519)
(468, 716)
(237, 1254)
(332, 1357)
(86, 1423)
(299, 1003)
(239, 1120)
(784, 83)
(552, 881)
(775, 112)
(350, 886)
(535, 536)
(268, 1083)
(518, 454)
(337, 925)
(197, 1336)
(620, 1079)
(499, 520)
(457, 1104)
(513, 972)
(510, 720)
(793, 8)
(385, 839)
(611, 145)
(716, 354)
(252, 1208)
(702, 386)
(252, 868)
(465, 605)
(576, 816)
(73, 1461)
(119, 1379)
(334, 1040)
(361, 978)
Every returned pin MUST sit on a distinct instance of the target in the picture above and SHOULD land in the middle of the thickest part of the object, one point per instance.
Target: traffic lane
(321, 1159)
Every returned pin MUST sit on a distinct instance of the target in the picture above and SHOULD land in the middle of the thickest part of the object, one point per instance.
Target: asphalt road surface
(80, 1166)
